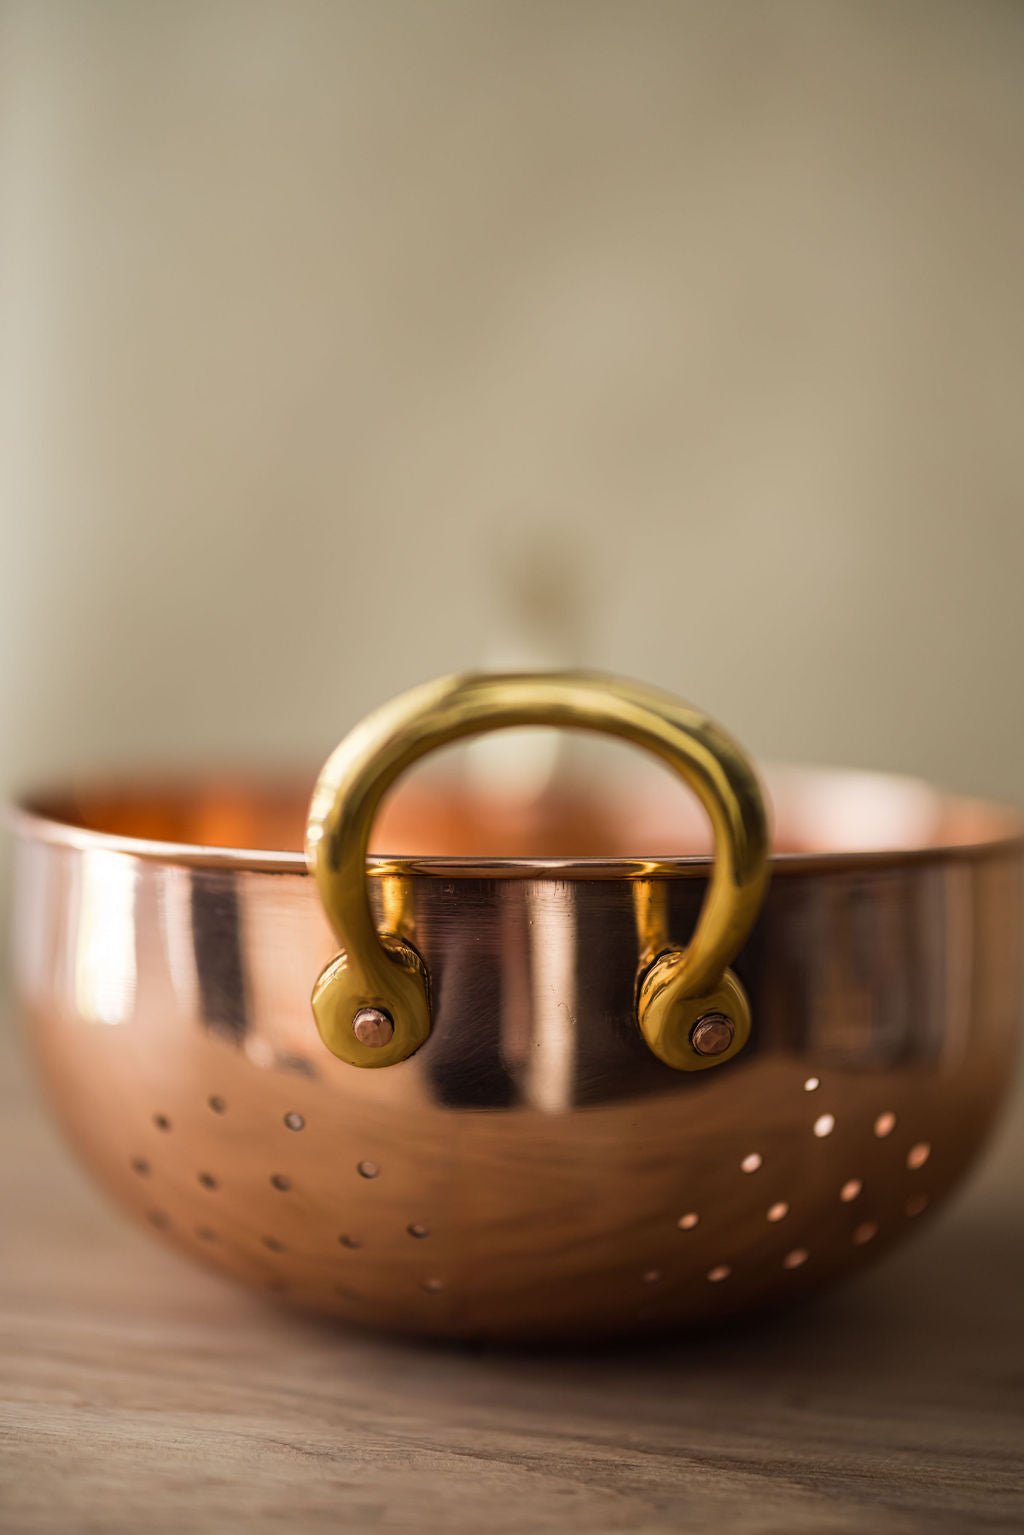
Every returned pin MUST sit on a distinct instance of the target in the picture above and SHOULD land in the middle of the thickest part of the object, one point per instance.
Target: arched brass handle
(372, 1003)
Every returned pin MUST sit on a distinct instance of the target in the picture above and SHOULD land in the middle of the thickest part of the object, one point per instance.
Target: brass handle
(372, 1003)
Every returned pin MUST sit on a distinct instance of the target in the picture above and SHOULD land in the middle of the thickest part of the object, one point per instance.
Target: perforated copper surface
(533, 1169)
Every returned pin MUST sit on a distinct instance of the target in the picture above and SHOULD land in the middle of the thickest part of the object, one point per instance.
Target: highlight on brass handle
(372, 1002)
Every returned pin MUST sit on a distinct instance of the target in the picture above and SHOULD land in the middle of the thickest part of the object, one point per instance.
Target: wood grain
(137, 1393)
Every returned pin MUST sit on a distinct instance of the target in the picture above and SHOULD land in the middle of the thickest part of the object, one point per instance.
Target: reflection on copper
(174, 916)
(397, 915)
(650, 905)
(550, 1064)
(104, 954)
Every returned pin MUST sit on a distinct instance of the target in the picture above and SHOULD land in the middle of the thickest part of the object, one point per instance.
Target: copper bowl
(549, 1150)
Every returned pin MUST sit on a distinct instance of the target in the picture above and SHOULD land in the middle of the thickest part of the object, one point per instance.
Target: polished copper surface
(533, 1170)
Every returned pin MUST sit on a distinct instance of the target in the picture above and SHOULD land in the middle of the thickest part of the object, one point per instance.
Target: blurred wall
(343, 344)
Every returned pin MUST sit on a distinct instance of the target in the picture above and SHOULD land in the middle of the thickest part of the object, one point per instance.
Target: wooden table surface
(138, 1394)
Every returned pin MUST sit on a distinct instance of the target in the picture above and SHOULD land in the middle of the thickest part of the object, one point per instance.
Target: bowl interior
(619, 805)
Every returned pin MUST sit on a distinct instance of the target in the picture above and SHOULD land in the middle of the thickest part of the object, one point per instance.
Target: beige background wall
(334, 338)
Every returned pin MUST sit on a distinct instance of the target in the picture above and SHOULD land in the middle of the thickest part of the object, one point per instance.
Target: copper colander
(611, 1080)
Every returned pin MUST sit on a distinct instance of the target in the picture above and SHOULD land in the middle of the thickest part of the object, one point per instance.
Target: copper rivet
(712, 1034)
(373, 1027)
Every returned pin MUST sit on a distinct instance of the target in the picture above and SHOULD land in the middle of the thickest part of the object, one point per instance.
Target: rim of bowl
(990, 829)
